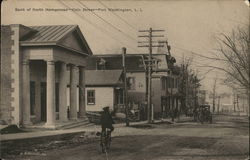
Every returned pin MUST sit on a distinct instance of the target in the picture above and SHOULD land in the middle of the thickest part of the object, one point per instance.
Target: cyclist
(107, 123)
(106, 119)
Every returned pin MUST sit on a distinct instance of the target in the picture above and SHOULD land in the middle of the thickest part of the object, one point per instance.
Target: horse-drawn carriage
(203, 114)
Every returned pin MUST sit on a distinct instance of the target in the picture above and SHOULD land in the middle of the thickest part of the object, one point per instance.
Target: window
(168, 82)
(177, 83)
(174, 82)
(163, 83)
(119, 96)
(32, 98)
(91, 96)
(131, 83)
(57, 97)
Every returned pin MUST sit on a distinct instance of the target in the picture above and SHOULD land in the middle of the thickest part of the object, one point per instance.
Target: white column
(82, 107)
(50, 93)
(26, 93)
(73, 90)
(63, 93)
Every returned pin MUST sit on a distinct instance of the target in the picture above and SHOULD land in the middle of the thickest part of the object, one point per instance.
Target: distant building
(164, 82)
(104, 88)
(136, 76)
(38, 65)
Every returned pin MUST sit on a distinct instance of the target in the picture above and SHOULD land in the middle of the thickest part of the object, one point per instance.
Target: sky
(190, 25)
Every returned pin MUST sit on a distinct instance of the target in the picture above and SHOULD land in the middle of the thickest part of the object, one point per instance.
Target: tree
(214, 92)
(189, 86)
(183, 89)
(233, 53)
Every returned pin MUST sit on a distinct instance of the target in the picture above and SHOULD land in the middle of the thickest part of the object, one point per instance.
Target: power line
(118, 16)
(193, 52)
(59, 12)
(108, 22)
(96, 26)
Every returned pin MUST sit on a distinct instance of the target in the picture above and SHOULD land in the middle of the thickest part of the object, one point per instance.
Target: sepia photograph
(125, 80)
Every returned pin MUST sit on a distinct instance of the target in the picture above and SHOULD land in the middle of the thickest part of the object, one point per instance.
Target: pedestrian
(142, 112)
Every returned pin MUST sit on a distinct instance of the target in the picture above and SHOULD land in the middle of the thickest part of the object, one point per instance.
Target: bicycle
(106, 140)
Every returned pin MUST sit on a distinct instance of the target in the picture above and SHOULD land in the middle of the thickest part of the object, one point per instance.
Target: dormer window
(101, 64)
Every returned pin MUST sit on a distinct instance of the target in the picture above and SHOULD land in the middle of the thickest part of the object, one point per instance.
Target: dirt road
(226, 138)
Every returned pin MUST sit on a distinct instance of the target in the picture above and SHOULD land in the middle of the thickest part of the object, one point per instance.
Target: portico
(59, 78)
(52, 62)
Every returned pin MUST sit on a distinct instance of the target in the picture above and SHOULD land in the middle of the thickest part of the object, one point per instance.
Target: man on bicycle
(107, 123)
(106, 119)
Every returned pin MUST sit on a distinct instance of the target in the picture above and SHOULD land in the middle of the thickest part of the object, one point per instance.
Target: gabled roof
(103, 77)
(49, 34)
(54, 35)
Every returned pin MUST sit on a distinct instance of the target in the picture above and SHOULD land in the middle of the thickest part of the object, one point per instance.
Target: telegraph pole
(218, 108)
(234, 100)
(149, 65)
(125, 84)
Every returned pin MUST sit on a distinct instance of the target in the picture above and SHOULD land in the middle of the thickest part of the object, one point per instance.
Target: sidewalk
(36, 134)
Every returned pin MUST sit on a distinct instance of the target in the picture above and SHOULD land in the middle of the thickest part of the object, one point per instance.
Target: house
(136, 74)
(104, 88)
(40, 65)
(165, 86)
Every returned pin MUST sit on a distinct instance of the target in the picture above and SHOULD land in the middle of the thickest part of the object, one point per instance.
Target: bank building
(42, 75)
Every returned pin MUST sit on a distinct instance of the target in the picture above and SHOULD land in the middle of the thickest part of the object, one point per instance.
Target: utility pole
(149, 65)
(237, 101)
(218, 108)
(234, 101)
(214, 93)
(125, 95)
(171, 98)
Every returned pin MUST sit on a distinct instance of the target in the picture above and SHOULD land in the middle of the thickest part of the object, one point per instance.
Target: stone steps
(78, 123)
(60, 125)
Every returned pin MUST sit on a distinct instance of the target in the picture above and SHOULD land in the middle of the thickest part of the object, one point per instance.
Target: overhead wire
(122, 31)
(96, 26)
(64, 16)
(131, 26)
(119, 17)
(192, 52)
(113, 26)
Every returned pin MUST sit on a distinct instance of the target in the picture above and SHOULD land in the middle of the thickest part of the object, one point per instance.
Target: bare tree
(189, 86)
(234, 50)
(233, 54)
(214, 92)
(185, 67)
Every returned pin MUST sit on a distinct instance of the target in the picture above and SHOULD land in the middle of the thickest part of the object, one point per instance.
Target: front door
(43, 102)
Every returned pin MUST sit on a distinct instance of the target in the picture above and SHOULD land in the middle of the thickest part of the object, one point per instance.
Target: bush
(11, 129)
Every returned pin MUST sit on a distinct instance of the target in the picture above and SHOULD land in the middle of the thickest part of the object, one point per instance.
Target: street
(226, 138)
(170, 80)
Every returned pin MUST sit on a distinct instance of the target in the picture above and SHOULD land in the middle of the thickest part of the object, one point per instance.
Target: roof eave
(37, 43)
(84, 40)
(27, 44)
(104, 85)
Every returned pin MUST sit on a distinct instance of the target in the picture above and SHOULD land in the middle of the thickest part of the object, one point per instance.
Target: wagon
(204, 114)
